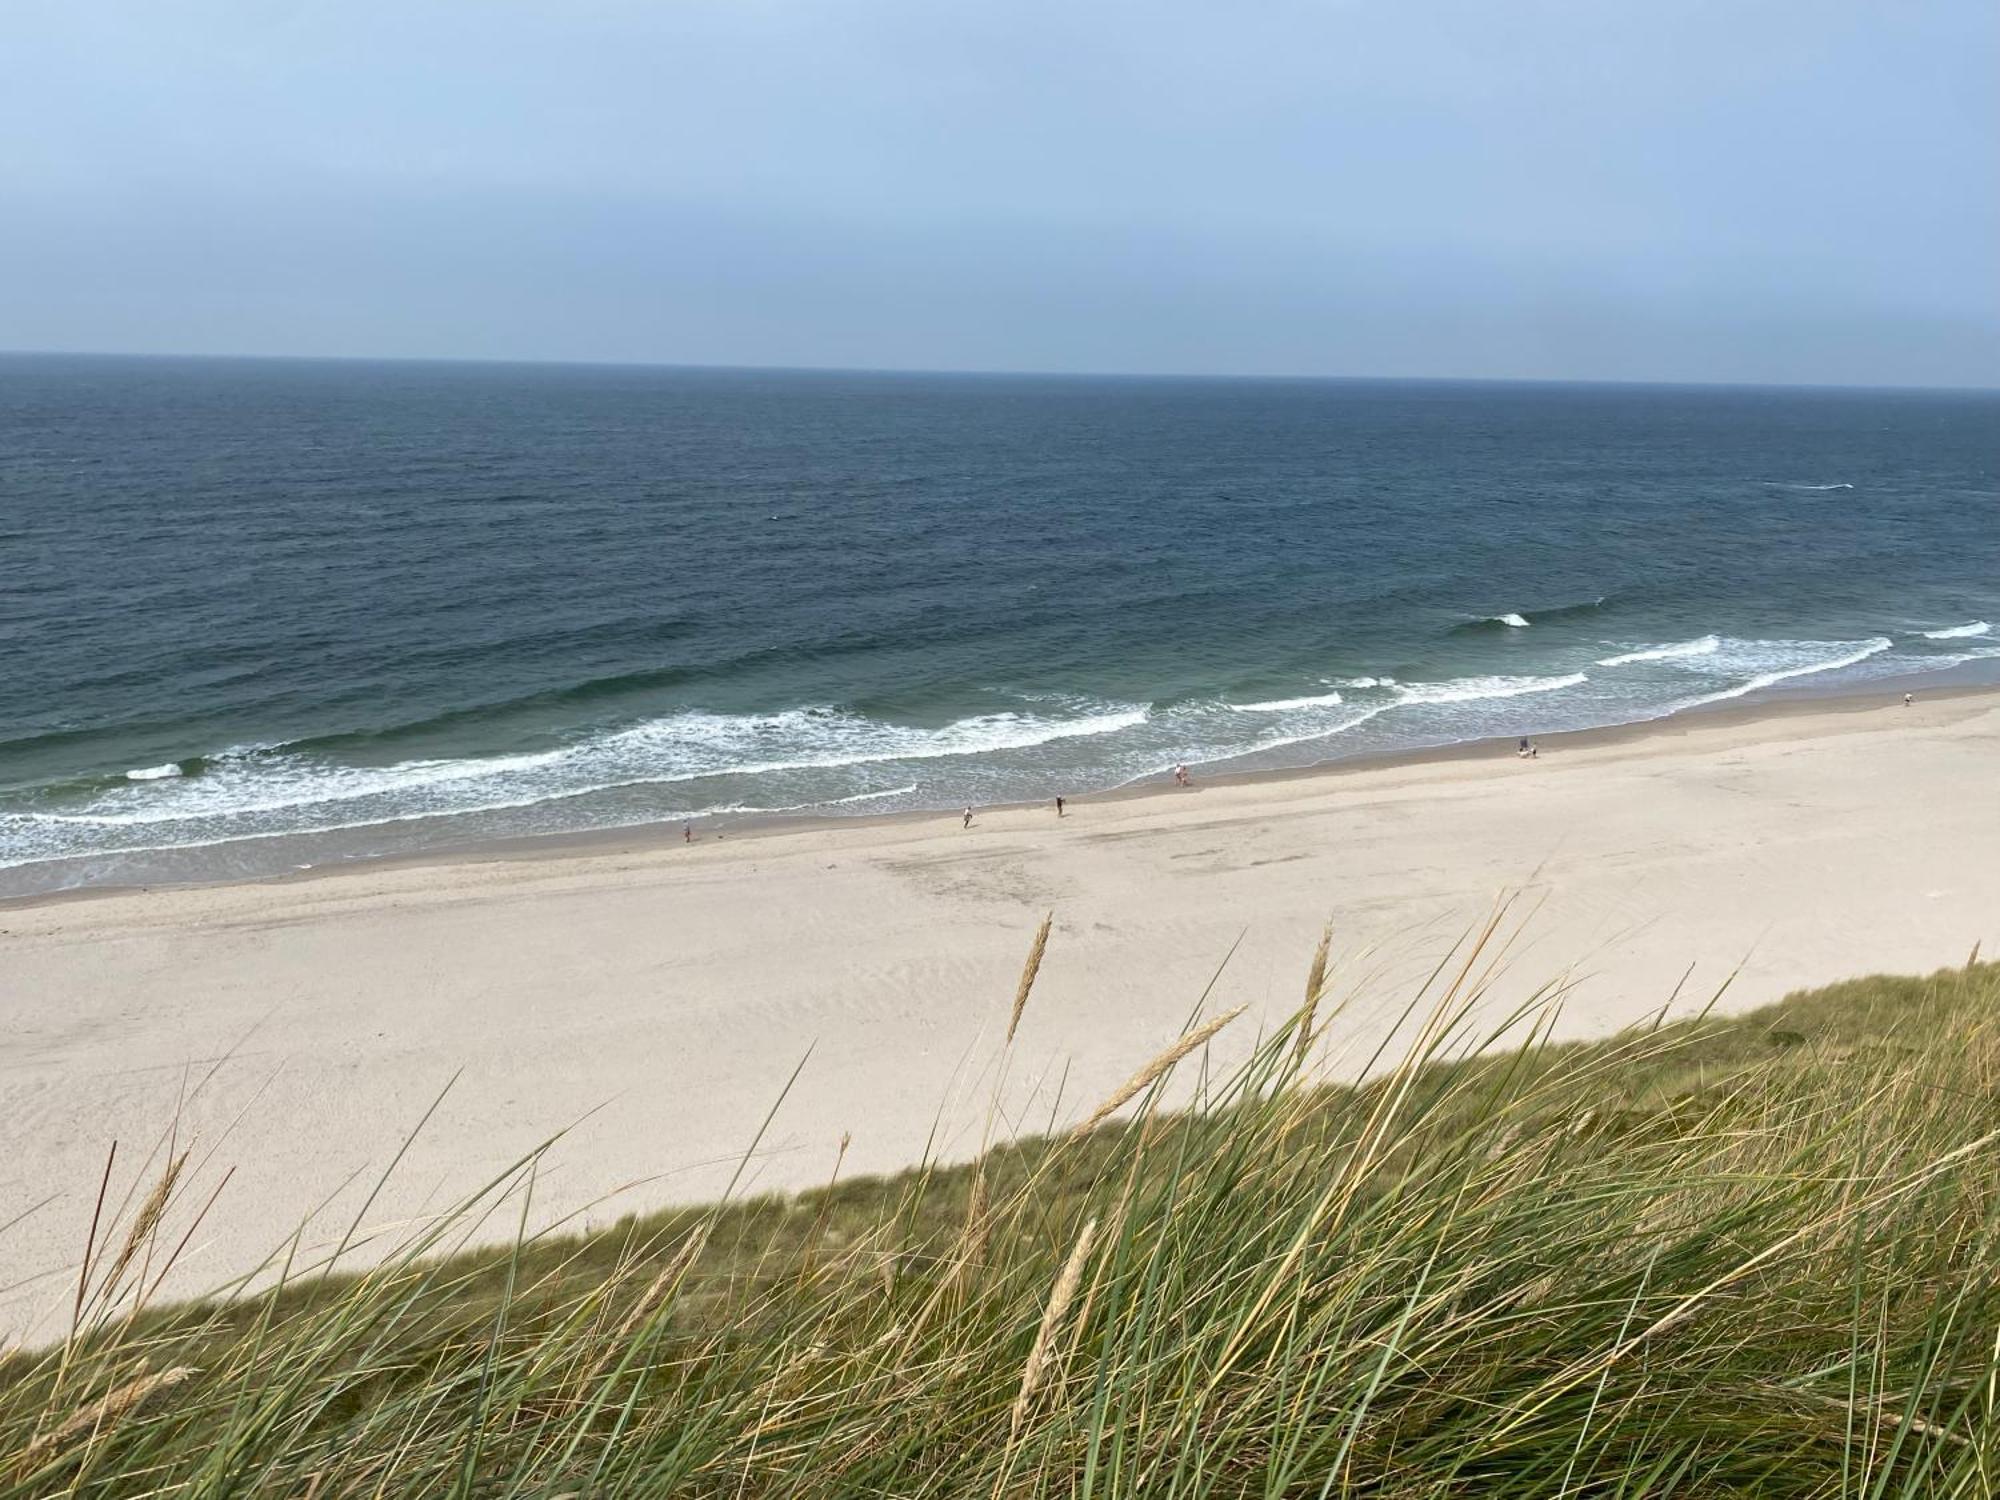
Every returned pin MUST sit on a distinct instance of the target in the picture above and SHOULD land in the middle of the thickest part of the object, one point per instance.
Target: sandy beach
(657, 998)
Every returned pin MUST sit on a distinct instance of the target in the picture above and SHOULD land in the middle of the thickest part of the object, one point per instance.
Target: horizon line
(1015, 373)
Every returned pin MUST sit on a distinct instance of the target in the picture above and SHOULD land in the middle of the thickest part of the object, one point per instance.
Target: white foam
(1704, 646)
(249, 834)
(1321, 731)
(1956, 659)
(246, 787)
(281, 793)
(1957, 632)
(1819, 486)
(1518, 622)
(1794, 658)
(1281, 705)
(154, 773)
(831, 738)
(1456, 690)
(1472, 689)
(894, 791)
(796, 807)
(1365, 682)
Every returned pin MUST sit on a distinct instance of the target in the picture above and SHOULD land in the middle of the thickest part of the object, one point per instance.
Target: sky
(1744, 190)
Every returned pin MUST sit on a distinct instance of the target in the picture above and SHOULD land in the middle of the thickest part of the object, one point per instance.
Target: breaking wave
(1521, 619)
(1705, 645)
(695, 763)
(1282, 705)
(1769, 663)
(1472, 689)
(1958, 632)
(280, 790)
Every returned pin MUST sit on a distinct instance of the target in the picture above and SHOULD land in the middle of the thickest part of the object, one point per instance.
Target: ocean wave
(1279, 740)
(1282, 705)
(1818, 487)
(806, 807)
(1773, 662)
(1956, 632)
(1705, 645)
(834, 758)
(892, 791)
(1407, 696)
(1472, 689)
(1521, 619)
(1958, 659)
(682, 747)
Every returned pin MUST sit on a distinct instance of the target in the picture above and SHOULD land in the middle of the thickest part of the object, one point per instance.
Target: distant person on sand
(1522, 748)
(1180, 776)
(1059, 807)
(687, 833)
(1908, 699)
(968, 819)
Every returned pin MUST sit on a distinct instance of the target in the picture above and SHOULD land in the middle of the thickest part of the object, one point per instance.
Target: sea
(262, 615)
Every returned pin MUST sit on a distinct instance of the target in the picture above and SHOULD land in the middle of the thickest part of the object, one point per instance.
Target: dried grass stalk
(978, 1219)
(1028, 971)
(1040, 1358)
(1146, 1076)
(656, 1292)
(1114, 1232)
(657, 1289)
(971, 1247)
(1315, 987)
(144, 1226)
(103, 1414)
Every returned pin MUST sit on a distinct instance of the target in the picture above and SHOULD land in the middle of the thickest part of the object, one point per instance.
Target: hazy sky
(1792, 190)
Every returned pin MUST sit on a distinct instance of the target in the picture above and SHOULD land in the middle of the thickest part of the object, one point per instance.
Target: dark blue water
(260, 613)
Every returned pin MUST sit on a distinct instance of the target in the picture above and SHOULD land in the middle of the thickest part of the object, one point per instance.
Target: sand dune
(658, 997)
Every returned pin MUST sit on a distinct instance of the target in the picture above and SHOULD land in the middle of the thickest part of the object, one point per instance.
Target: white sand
(673, 990)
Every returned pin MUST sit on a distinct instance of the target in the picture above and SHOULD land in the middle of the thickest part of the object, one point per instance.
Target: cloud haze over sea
(1789, 191)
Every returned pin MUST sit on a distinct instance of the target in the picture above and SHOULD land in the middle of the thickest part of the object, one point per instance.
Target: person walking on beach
(1908, 699)
(1059, 806)
(1180, 776)
(687, 833)
(968, 819)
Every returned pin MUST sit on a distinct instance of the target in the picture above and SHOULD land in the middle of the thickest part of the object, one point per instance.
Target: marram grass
(1750, 1257)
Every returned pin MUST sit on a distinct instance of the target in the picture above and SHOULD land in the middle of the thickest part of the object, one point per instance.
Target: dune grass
(1713, 1257)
